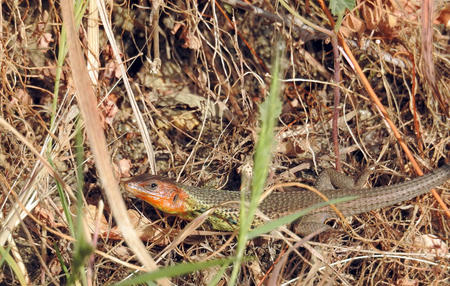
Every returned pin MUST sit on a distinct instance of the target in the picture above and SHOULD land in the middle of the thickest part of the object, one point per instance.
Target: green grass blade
(61, 261)
(269, 112)
(219, 275)
(176, 270)
(274, 224)
(5, 256)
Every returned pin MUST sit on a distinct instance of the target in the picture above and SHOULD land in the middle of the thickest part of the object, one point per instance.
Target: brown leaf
(444, 17)
(124, 166)
(23, 97)
(110, 108)
(54, 266)
(352, 24)
(44, 41)
(47, 216)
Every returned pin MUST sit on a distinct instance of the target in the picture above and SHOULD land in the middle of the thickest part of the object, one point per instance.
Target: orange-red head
(160, 192)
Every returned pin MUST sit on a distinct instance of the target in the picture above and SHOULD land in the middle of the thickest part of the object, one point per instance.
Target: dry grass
(196, 78)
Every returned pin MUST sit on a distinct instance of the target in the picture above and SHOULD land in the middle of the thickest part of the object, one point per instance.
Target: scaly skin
(188, 202)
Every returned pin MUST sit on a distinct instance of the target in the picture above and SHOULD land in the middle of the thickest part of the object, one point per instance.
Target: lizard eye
(153, 186)
(175, 198)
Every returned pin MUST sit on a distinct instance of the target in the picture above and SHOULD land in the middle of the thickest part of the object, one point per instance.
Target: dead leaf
(122, 252)
(112, 69)
(110, 108)
(44, 41)
(372, 13)
(124, 166)
(48, 216)
(185, 121)
(144, 227)
(444, 17)
(191, 41)
(407, 282)
(55, 266)
(429, 243)
(352, 25)
(146, 230)
(22, 97)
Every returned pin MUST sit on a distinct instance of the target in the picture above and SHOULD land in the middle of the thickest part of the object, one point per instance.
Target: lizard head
(162, 193)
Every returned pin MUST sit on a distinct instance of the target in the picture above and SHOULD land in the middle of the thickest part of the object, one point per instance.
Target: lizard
(188, 202)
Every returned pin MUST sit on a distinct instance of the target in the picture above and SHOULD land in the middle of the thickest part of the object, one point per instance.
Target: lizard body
(189, 202)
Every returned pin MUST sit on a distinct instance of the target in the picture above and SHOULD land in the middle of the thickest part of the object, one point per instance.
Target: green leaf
(338, 7)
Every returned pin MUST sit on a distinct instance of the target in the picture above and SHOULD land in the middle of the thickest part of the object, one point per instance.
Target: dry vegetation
(197, 74)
